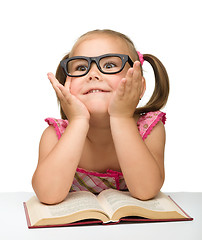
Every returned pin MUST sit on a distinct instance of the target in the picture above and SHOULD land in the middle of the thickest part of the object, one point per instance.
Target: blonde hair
(161, 90)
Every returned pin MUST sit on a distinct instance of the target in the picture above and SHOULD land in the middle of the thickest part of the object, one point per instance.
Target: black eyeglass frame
(124, 58)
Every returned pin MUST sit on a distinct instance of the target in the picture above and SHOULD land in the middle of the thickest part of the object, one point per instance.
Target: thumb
(67, 84)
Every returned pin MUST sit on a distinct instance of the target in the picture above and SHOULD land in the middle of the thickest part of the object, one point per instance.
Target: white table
(13, 223)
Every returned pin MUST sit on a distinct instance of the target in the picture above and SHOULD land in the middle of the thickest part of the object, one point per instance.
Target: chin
(97, 111)
(97, 107)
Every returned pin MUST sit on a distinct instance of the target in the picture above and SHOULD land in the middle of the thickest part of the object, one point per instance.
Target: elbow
(48, 196)
(145, 194)
(150, 191)
(50, 200)
(145, 197)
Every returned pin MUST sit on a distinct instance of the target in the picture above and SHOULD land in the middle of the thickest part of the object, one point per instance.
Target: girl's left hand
(128, 93)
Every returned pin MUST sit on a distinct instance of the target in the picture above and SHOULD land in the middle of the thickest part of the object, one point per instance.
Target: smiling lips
(95, 91)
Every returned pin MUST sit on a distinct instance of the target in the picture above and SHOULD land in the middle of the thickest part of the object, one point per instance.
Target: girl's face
(82, 87)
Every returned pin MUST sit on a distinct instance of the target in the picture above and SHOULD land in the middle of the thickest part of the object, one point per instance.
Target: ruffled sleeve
(148, 121)
(59, 125)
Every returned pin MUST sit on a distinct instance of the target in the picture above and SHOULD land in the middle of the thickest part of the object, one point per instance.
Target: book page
(75, 202)
(111, 200)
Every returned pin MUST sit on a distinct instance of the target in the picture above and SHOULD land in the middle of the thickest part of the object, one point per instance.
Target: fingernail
(131, 70)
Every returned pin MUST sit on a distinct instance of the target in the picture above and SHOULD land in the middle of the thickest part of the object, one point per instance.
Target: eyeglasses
(108, 64)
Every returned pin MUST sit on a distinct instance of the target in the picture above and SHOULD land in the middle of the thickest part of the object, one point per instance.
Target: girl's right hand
(72, 107)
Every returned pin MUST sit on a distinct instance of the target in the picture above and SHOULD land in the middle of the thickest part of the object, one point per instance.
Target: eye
(81, 68)
(109, 65)
(77, 65)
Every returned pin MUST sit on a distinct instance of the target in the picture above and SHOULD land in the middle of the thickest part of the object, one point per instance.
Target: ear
(143, 87)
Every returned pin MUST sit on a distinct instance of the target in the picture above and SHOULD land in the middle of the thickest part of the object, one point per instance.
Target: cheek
(72, 90)
(115, 82)
(115, 85)
(74, 87)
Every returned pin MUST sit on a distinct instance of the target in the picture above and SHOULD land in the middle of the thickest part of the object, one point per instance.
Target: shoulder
(59, 125)
(51, 135)
(48, 137)
(152, 130)
(148, 121)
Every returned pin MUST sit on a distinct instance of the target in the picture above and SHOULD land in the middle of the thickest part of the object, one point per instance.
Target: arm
(142, 163)
(58, 160)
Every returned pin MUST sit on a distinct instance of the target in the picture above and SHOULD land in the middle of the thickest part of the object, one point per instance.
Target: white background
(35, 35)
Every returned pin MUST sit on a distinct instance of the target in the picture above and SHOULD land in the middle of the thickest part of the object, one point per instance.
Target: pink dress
(96, 182)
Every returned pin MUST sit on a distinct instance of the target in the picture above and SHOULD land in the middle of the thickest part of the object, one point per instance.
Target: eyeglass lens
(111, 64)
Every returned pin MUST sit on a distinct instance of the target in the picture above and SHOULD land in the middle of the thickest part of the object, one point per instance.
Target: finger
(55, 84)
(129, 79)
(52, 78)
(58, 92)
(65, 92)
(137, 75)
(121, 87)
(129, 73)
(67, 83)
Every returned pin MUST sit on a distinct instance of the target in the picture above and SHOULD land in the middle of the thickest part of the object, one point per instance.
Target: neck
(99, 131)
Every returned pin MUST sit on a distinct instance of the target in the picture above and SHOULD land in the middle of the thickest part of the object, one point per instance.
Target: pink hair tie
(140, 57)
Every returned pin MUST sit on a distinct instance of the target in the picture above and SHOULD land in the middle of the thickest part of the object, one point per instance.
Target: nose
(94, 73)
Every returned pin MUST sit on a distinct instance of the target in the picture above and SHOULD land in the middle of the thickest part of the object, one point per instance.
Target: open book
(110, 206)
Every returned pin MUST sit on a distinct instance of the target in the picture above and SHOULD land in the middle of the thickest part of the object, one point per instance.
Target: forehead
(97, 44)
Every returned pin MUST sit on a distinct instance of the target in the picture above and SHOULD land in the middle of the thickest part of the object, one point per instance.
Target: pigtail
(161, 89)
(60, 76)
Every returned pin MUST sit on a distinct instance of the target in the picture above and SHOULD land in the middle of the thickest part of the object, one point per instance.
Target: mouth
(96, 91)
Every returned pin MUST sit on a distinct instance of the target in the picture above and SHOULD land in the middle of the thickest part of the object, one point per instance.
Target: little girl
(103, 140)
